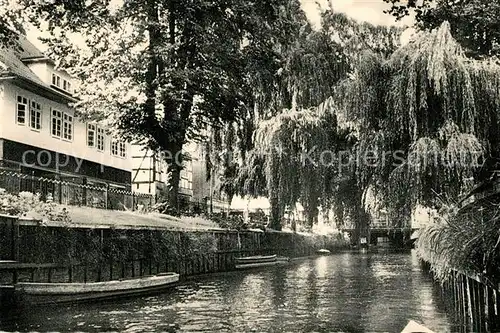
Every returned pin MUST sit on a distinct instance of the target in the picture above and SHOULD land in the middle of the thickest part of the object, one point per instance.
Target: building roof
(13, 64)
(27, 50)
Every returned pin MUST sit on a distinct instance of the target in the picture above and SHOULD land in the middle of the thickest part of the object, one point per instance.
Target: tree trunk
(174, 176)
(275, 214)
(311, 215)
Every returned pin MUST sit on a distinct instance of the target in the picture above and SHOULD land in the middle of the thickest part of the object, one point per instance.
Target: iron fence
(74, 191)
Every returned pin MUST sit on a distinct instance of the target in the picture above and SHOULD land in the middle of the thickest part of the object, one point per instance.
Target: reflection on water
(341, 293)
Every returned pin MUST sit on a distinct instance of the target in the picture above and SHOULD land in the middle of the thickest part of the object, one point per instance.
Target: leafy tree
(474, 23)
(11, 22)
(437, 122)
(162, 71)
(316, 63)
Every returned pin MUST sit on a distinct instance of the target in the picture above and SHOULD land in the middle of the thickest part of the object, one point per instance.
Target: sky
(371, 11)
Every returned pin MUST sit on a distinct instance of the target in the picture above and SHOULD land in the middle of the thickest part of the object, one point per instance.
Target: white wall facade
(77, 147)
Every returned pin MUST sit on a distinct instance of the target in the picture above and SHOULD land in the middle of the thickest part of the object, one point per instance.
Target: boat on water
(414, 327)
(259, 261)
(323, 251)
(37, 293)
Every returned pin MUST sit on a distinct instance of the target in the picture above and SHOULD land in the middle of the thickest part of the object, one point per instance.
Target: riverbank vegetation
(467, 240)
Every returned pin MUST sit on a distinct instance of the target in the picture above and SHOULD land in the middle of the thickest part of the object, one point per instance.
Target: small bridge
(399, 236)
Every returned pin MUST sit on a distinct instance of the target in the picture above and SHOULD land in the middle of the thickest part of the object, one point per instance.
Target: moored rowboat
(255, 259)
(259, 261)
(34, 293)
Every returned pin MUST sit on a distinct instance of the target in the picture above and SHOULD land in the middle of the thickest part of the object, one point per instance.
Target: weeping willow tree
(429, 116)
(296, 166)
(424, 120)
(447, 106)
(291, 129)
(442, 112)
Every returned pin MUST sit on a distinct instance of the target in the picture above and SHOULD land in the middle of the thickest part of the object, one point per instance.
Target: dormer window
(61, 83)
(56, 80)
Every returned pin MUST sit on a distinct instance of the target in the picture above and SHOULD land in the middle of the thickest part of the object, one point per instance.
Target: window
(56, 123)
(66, 86)
(91, 135)
(21, 109)
(118, 148)
(121, 149)
(95, 138)
(68, 127)
(100, 139)
(59, 82)
(56, 80)
(114, 147)
(35, 116)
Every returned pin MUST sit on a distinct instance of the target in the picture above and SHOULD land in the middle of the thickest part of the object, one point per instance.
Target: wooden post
(455, 291)
(495, 302)
(486, 307)
(106, 196)
(464, 299)
(469, 301)
(458, 292)
(84, 191)
(59, 185)
(14, 239)
(15, 246)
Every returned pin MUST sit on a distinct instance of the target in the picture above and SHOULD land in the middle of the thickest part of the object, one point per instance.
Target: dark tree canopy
(474, 23)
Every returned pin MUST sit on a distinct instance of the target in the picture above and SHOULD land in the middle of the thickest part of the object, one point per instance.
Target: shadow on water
(347, 292)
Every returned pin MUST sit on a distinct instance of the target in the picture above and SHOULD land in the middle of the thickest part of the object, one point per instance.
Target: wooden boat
(255, 259)
(323, 251)
(414, 327)
(259, 261)
(35, 293)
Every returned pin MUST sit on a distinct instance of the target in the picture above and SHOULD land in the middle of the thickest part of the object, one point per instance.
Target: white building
(40, 134)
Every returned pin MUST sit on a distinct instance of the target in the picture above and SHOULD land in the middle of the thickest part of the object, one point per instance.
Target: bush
(26, 202)
(465, 241)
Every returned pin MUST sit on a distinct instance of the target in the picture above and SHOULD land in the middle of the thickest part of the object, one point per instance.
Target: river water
(347, 292)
